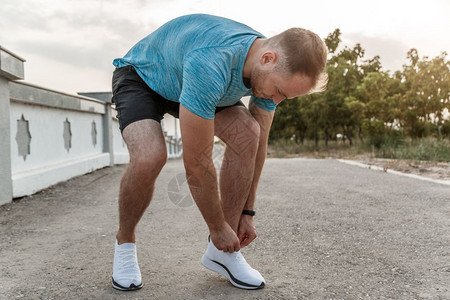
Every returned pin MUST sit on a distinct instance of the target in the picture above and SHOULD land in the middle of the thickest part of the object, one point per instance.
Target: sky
(69, 45)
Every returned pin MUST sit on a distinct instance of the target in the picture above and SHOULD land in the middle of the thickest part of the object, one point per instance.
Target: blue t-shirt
(197, 60)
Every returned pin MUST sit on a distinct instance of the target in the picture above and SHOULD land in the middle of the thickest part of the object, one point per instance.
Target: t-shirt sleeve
(205, 81)
(266, 104)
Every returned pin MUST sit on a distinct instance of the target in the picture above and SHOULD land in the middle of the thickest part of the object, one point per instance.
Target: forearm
(203, 184)
(264, 119)
(198, 141)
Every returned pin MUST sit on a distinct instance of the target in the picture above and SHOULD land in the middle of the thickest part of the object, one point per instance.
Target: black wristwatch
(248, 212)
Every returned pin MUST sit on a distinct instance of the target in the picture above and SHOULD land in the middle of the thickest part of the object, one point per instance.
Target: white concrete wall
(49, 161)
(47, 145)
(34, 152)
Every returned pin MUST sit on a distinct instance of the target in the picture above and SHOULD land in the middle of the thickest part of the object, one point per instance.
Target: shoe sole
(132, 287)
(223, 270)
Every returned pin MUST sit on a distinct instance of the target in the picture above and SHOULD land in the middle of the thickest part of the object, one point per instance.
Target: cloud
(80, 35)
(392, 52)
(76, 37)
(66, 42)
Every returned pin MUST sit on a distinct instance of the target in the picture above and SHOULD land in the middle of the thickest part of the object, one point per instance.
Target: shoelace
(237, 256)
(127, 263)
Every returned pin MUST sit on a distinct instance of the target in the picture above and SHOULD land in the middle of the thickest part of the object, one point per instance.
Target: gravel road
(327, 230)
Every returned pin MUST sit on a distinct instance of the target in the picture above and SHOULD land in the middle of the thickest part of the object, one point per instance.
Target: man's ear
(269, 57)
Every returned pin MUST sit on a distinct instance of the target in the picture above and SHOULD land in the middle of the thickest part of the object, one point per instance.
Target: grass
(284, 149)
(426, 149)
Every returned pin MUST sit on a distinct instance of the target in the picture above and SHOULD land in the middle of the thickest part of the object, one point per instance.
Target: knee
(149, 165)
(246, 141)
(253, 136)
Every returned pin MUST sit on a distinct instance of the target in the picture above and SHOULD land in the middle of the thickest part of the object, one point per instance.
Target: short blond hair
(302, 51)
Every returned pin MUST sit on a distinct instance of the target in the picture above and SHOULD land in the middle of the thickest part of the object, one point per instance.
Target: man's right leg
(148, 154)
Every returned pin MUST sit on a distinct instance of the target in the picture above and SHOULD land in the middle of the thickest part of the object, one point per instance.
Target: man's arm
(198, 139)
(264, 119)
(247, 231)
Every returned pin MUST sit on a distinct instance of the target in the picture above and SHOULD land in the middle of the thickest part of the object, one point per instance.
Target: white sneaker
(234, 267)
(126, 273)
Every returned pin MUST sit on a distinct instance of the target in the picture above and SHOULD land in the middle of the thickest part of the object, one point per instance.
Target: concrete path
(327, 230)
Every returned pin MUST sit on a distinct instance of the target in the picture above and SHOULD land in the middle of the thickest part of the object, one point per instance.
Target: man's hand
(225, 239)
(246, 230)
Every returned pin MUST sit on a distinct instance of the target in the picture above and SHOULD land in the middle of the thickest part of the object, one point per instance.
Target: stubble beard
(257, 78)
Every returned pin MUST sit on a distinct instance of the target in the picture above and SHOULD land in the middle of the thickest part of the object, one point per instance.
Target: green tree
(344, 74)
(289, 121)
(362, 99)
(426, 92)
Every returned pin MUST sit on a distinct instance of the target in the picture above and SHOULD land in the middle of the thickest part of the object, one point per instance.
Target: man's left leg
(240, 131)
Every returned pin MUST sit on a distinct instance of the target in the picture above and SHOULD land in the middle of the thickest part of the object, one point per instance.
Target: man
(197, 67)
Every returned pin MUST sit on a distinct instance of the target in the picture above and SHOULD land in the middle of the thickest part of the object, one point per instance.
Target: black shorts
(135, 100)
